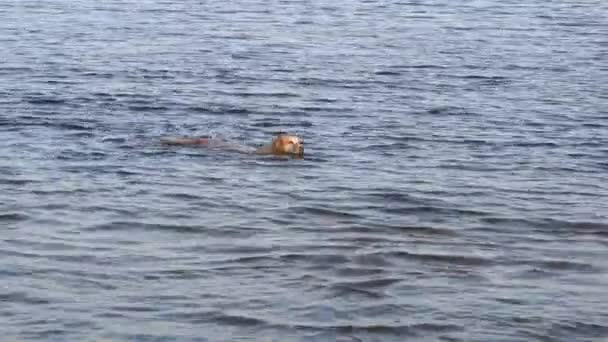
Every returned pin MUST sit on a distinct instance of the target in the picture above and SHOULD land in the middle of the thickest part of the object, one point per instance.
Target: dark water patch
(45, 334)
(418, 66)
(462, 260)
(325, 100)
(429, 209)
(441, 111)
(258, 94)
(220, 110)
(562, 265)
(58, 123)
(147, 108)
(22, 297)
(369, 284)
(401, 331)
(13, 217)
(10, 70)
(134, 308)
(346, 291)
(58, 82)
(569, 228)
(199, 317)
(63, 192)
(103, 95)
(75, 155)
(506, 221)
(115, 140)
(45, 100)
(282, 70)
(41, 245)
(360, 272)
(70, 126)
(102, 75)
(388, 195)
(399, 146)
(323, 260)
(324, 212)
(580, 329)
(242, 249)
(547, 144)
(159, 77)
(387, 73)
(514, 301)
(184, 196)
(81, 135)
(238, 320)
(361, 235)
(420, 230)
(497, 79)
(13, 181)
(276, 123)
(333, 83)
(126, 226)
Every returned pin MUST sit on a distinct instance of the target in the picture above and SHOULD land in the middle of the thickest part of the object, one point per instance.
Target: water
(454, 186)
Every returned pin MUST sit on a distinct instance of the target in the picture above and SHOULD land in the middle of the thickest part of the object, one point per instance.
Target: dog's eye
(290, 142)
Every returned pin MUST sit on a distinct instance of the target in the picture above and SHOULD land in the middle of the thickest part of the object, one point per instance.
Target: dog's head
(287, 144)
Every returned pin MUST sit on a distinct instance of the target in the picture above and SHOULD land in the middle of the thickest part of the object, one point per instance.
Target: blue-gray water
(454, 188)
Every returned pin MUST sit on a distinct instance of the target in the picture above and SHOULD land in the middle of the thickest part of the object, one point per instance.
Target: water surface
(454, 186)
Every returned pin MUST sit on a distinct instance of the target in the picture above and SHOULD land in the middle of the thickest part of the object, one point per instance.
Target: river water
(454, 186)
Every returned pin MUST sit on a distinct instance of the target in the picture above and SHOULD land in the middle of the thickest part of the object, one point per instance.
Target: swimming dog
(281, 144)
